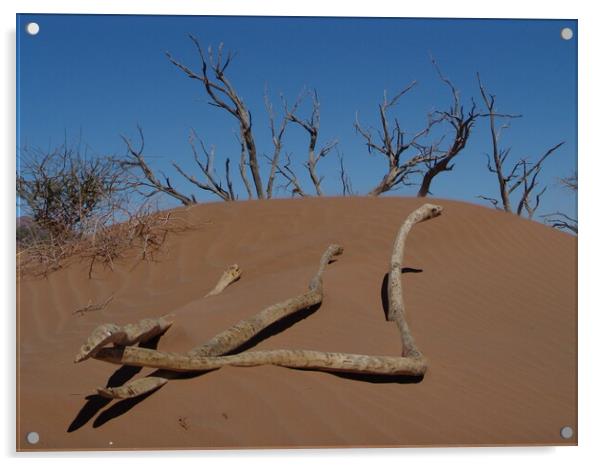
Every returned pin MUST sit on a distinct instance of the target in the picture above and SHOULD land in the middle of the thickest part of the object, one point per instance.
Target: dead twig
(90, 307)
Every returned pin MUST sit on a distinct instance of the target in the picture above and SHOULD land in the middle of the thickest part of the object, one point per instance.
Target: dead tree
(312, 126)
(212, 184)
(525, 202)
(277, 135)
(135, 159)
(561, 220)
(462, 124)
(223, 95)
(391, 143)
(522, 174)
(292, 183)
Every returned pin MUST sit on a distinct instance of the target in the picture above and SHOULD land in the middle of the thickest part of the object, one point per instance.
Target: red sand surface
(492, 304)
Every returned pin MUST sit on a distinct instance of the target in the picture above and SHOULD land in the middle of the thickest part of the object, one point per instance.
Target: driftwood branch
(230, 275)
(199, 359)
(396, 310)
(129, 334)
(427, 211)
(224, 342)
(411, 363)
(133, 389)
(306, 359)
(241, 332)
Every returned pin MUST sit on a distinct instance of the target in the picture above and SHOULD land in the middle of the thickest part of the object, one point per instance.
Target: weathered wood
(132, 389)
(302, 359)
(394, 290)
(208, 356)
(129, 334)
(241, 332)
(396, 311)
(230, 275)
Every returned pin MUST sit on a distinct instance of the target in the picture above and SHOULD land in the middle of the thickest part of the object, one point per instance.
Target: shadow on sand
(384, 296)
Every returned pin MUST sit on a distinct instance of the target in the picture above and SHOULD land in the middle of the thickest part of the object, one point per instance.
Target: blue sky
(102, 75)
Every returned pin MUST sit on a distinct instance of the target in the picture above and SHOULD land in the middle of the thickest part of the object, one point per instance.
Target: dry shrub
(83, 207)
(103, 241)
(64, 189)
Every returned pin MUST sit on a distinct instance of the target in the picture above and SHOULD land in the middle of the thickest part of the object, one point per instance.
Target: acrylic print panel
(261, 232)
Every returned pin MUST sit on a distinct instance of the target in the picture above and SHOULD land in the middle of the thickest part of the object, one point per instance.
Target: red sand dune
(492, 304)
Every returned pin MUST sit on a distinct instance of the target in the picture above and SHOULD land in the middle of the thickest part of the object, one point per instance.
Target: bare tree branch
(277, 135)
(528, 186)
(535, 168)
(497, 168)
(570, 182)
(520, 175)
(292, 184)
(558, 219)
(224, 95)
(135, 159)
(391, 143)
(212, 185)
(233, 195)
(561, 221)
(312, 126)
(462, 125)
(345, 180)
(494, 202)
(242, 164)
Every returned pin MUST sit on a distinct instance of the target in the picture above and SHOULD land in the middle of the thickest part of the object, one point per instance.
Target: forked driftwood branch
(224, 342)
(410, 363)
(207, 356)
(241, 332)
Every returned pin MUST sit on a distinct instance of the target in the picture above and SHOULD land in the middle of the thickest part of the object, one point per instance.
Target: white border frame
(590, 389)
